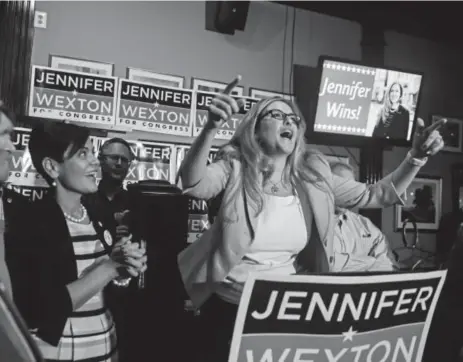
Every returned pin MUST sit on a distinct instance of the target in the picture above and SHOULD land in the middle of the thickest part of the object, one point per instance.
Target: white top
(280, 235)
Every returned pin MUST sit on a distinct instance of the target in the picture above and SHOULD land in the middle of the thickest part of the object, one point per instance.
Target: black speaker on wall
(226, 16)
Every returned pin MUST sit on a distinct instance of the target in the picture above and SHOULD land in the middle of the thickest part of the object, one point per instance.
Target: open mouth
(92, 176)
(287, 133)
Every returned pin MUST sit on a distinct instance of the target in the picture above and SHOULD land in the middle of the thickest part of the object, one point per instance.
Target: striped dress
(89, 334)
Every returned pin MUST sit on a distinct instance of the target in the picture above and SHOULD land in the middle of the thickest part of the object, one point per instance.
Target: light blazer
(210, 258)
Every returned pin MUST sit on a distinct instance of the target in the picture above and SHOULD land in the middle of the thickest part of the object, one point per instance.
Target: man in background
(116, 157)
(358, 244)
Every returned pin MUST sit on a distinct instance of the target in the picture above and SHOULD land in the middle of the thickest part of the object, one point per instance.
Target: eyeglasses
(282, 116)
(117, 158)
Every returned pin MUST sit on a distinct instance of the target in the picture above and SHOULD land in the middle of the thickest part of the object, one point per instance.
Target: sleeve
(44, 303)
(211, 184)
(349, 193)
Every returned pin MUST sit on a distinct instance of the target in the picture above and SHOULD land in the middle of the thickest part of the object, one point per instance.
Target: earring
(53, 184)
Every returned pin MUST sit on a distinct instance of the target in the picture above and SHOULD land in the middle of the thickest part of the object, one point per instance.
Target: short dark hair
(7, 112)
(120, 141)
(53, 139)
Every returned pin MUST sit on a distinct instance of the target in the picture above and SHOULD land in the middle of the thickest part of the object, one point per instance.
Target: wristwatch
(416, 161)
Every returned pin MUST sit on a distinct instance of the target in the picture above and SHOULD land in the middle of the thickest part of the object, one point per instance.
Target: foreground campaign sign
(74, 96)
(199, 115)
(375, 318)
(198, 221)
(152, 108)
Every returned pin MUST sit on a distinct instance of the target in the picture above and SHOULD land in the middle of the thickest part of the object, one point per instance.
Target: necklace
(274, 188)
(76, 219)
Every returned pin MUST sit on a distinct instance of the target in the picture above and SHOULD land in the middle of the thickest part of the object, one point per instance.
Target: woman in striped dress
(63, 259)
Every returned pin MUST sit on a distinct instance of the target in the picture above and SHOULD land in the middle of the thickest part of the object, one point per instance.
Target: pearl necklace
(75, 219)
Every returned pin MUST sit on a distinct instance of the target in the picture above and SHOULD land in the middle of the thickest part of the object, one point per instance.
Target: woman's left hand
(135, 257)
(427, 141)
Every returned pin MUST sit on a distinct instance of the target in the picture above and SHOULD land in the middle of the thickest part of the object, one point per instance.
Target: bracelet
(420, 162)
(123, 283)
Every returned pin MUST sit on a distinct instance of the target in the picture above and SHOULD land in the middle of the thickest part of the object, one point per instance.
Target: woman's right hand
(223, 106)
(128, 258)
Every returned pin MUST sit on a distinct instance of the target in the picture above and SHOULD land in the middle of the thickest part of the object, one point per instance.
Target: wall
(442, 94)
(170, 37)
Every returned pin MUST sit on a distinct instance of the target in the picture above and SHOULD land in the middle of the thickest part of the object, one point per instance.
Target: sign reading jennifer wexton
(152, 108)
(373, 318)
(74, 96)
(200, 114)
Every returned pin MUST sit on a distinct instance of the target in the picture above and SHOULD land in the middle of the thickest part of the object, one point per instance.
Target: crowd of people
(277, 207)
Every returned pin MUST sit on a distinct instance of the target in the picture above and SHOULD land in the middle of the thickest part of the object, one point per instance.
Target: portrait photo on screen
(393, 106)
(365, 101)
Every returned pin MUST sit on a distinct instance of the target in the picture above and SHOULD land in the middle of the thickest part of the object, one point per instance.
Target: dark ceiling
(440, 21)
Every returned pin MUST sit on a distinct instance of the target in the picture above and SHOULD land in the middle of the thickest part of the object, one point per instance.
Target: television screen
(364, 101)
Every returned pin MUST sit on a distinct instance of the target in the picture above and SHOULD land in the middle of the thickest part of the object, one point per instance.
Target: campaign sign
(23, 178)
(74, 96)
(152, 160)
(32, 193)
(22, 172)
(152, 108)
(335, 318)
(181, 150)
(198, 221)
(200, 115)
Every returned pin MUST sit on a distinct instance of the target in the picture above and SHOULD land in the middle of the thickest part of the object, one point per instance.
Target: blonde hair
(245, 147)
(387, 112)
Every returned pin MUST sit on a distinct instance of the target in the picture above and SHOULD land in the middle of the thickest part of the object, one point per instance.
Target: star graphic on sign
(74, 93)
(349, 334)
(156, 104)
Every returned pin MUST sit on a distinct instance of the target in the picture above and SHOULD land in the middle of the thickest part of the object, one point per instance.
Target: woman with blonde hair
(277, 212)
(394, 118)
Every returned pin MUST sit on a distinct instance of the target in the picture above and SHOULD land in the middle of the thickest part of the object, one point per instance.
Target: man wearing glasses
(116, 157)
